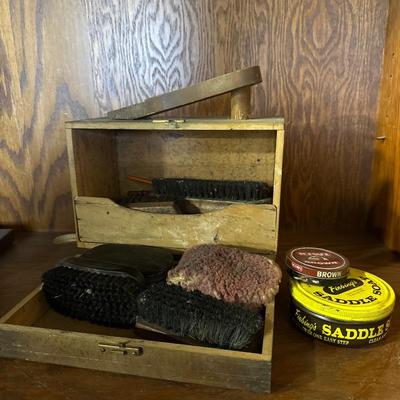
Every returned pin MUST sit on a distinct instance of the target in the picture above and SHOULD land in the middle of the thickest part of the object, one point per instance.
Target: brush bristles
(212, 189)
(201, 317)
(99, 298)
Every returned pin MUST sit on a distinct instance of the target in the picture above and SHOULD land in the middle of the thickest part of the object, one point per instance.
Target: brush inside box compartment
(33, 331)
(51, 319)
(104, 154)
(34, 311)
(212, 178)
(179, 201)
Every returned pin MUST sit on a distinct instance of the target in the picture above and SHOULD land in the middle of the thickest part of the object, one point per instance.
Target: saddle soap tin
(316, 265)
(354, 311)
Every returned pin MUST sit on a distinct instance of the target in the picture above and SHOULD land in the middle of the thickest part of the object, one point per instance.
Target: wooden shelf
(302, 368)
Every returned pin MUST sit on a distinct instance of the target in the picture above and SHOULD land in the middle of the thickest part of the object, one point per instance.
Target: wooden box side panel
(158, 360)
(28, 310)
(219, 155)
(93, 163)
(278, 167)
(247, 226)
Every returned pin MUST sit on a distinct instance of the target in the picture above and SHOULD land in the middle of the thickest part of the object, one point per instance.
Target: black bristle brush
(208, 189)
(197, 316)
(101, 286)
(98, 297)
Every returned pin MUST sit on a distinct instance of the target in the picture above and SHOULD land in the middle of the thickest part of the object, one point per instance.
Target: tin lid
(314, 262)
(360, 297)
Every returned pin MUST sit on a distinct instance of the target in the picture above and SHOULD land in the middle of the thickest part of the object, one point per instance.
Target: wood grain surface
(234, 83)
(248, 226)
(320, 61)
(302, 368)
(385, 193)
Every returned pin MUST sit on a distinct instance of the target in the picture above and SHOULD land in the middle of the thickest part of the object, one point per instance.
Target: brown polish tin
(316, 265)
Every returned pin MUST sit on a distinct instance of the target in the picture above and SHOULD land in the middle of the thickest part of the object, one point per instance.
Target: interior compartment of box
(104, 159)
(34, 311)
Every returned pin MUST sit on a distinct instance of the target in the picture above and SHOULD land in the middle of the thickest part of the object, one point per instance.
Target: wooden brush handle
(139, 179)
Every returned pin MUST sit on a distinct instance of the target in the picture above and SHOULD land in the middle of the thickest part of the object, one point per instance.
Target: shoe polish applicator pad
(228, 273)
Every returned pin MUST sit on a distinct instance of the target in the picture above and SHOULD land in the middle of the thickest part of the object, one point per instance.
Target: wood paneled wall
(320, 59)
(385, 193)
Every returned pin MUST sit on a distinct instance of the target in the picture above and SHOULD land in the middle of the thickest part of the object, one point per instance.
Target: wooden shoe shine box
(102, 153)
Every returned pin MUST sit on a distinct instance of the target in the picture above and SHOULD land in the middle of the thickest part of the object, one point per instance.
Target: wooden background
(385, 193)
(321, 64)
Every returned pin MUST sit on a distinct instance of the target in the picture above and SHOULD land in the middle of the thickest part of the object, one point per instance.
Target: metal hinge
(121, 348)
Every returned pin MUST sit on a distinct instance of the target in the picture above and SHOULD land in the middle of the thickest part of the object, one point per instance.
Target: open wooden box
(102, 153)
(32, 331)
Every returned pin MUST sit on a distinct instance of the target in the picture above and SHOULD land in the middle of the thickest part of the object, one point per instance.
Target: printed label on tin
(341, 334)
(344, 292)
(343, 286)
(318, 257)
(330, 274)
(317, 263)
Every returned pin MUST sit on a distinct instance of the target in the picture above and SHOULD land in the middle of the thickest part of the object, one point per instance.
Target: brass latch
(168, 121)
(121, 348)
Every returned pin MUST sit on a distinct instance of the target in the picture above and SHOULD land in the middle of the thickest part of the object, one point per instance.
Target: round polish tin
(355, 311)
(316, 265)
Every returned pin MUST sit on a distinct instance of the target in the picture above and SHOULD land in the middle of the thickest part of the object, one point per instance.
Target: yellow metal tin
(360, 297)
(352, 312)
